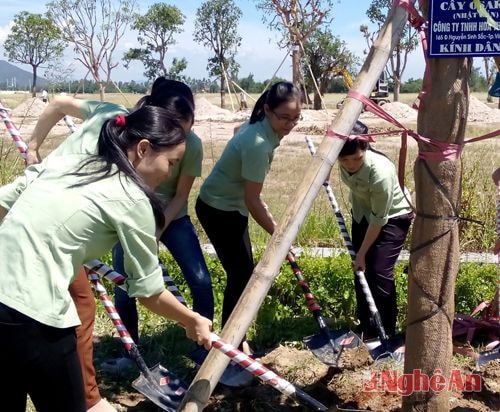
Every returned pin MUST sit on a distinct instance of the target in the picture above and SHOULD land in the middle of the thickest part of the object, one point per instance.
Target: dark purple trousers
(380, 261)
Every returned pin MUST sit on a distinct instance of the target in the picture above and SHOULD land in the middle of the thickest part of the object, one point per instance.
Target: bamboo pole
(318, 171)
(239, 87)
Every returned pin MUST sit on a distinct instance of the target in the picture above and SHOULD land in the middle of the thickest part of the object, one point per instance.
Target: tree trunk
(222, 92)
(434, 258)
(397, 87)
(33, 84)
(317, 101)
(296, 78)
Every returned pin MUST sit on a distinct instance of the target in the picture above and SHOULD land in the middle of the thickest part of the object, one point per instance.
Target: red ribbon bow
(120, 120)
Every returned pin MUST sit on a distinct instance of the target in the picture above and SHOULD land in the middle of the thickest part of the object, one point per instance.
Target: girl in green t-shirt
(232, 190)
(84, 205)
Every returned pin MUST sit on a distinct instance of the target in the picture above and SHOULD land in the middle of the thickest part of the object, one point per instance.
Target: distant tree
(297, 20)
(94, 28)
(178, 66)
(33, 40)
(411, 86)
(377, 13)
(477, 81)
(216, 28)
(327, 57)
(156, 33)
(59, 73)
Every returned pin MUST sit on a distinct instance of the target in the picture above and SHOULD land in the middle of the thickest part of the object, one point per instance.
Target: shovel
(488, 356)
(157, 384)
(328, 345)
(380, 348)
(233, 376)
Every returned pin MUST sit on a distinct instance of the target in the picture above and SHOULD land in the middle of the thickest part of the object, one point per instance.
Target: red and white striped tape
(14, 131)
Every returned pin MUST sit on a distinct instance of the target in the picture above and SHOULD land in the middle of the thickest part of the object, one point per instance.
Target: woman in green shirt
(232, 190)
(84, 205)
(381, 218)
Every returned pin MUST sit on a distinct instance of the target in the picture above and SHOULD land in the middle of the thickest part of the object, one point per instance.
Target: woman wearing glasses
(232, 190)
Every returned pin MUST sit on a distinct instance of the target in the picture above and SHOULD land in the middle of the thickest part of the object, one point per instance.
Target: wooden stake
(274, 255)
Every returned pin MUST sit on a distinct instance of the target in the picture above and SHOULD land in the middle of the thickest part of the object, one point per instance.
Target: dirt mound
(481, 112)
(32, 107)
(209, 111)
(401, 111)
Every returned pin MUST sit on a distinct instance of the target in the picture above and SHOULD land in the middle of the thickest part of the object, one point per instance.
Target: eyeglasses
(286, 119)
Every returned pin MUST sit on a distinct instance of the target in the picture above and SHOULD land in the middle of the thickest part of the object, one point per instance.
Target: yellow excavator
(380, 93)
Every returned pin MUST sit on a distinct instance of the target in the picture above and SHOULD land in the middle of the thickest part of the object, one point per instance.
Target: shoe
(118, 366)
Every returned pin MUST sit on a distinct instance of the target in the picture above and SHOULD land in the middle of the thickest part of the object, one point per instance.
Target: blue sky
(258, 53)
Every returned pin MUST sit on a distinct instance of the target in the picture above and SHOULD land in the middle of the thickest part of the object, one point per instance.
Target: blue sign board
(457, 30)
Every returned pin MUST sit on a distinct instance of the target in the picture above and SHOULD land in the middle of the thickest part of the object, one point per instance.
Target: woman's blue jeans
(181, 240)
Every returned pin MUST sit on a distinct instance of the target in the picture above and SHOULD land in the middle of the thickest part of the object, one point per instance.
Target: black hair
(277, 94)
(179, 106)
(117, 136)
(351, 146)
(163, 90)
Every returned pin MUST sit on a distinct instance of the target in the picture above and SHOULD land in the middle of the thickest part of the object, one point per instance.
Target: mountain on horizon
(13, 77)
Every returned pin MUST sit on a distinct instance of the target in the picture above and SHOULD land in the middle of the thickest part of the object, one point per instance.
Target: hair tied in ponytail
(120, 120)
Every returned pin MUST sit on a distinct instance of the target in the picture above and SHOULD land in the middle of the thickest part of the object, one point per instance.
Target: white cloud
(4, 32)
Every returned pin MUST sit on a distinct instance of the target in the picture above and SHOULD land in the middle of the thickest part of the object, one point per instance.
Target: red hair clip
(120, 120)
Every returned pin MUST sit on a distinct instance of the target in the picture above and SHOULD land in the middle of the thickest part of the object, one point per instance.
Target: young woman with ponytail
(85, 203)
(171, 94)
(232, 190)
(177, 234)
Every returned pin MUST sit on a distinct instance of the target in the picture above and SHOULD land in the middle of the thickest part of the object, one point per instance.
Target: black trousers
(380, 261)
(41, 361)
(228, 233)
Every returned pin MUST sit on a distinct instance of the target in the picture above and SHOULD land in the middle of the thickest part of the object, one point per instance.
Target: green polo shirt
(247, 156)
(53, 229)
(374, 190)
(190, 165)
(82, 141)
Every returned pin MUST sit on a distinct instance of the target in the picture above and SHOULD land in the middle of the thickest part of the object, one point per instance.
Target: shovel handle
(347, 240)
(264, 374)
(125, 337)
(312, 304)
(69, 122)
(119, 280)
(13, 131)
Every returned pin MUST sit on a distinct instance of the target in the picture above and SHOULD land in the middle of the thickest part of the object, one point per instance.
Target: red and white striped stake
(14, 131)
(264, 374)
